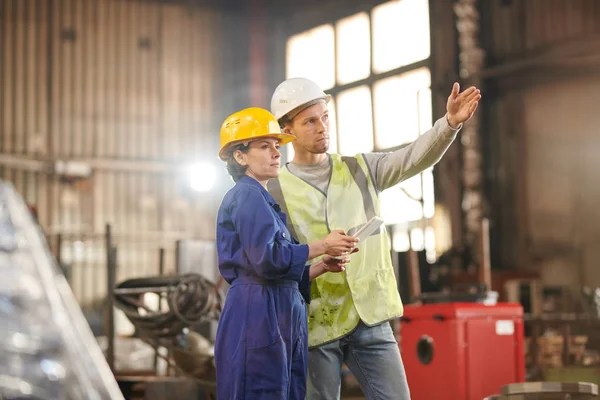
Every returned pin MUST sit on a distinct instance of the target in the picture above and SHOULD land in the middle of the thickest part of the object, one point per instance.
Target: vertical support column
(485, 267)
(412, 261)
(258, 53)
(471, 57)
(111, 265)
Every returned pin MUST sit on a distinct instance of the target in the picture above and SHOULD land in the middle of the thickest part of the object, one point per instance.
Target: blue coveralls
(261, 349)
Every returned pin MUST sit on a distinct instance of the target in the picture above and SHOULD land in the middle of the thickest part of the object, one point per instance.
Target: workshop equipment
(462, 351)
(191, 299)
(547, 391)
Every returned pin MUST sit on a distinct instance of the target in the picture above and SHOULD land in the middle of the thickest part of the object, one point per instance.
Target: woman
(261, 347)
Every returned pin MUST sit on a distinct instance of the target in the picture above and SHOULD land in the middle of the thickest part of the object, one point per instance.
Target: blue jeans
(372, 355)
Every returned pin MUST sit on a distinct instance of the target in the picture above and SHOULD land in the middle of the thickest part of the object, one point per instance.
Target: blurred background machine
(466, 350)
(163, 344)
(462, 344)
(164, 311)
(47, 350)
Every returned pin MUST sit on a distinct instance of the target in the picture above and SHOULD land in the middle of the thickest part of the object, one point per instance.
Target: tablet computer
(366, 230)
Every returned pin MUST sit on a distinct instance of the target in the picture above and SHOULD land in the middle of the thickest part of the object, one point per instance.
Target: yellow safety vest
(367, 290)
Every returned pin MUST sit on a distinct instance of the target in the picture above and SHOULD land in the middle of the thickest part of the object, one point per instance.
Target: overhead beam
(578, 53)
(48, 165)
(24, 163)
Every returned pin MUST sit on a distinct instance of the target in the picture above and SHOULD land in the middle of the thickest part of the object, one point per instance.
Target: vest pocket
(267, 372)
(376, 296)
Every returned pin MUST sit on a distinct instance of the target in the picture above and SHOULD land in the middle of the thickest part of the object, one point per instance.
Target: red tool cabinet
(462, 351)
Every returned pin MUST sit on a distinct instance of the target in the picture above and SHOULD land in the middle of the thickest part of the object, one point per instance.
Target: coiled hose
(192, 299)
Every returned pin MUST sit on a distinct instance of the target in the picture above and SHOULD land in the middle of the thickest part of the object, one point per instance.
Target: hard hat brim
(284, 138)
(294, 112)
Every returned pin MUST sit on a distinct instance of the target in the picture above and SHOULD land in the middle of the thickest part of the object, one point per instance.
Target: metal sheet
(127, 87)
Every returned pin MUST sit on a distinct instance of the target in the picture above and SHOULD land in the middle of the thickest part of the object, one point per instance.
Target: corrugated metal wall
(128, 87)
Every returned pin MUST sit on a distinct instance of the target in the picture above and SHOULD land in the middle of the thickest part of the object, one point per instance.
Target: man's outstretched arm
(388, 169)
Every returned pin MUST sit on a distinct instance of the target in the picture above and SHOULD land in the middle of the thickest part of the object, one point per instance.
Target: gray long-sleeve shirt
(389, 169)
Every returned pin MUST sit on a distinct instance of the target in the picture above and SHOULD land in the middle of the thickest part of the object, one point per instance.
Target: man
(350, 312)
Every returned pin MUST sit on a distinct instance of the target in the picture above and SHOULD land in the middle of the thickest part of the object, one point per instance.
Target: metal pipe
(161, 271)
(111, 260)
(112, 269)
(155, 289)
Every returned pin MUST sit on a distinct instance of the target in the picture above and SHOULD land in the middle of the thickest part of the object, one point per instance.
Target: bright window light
(353, 48)
(311, 55)
(398, 207)
(401, 241)
(428, 193)
(402, 108)
(202, 176)
(333, 137)
(417, 239)
(355, 126)
(289, 155)
(400, 33)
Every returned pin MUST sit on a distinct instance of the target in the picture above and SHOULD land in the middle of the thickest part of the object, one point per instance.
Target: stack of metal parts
(47, 350)
(547, 391)
(191, 300)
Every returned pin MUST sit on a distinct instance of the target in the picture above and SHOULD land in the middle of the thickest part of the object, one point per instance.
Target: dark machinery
(190, 300)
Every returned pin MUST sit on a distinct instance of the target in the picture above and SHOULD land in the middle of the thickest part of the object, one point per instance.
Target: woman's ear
(240, 157)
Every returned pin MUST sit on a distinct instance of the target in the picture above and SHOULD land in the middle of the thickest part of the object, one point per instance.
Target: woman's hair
(233, 167)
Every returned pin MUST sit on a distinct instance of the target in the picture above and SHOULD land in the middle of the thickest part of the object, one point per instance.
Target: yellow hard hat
(248, 125)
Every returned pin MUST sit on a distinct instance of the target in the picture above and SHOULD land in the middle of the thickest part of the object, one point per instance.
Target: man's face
(311, 128)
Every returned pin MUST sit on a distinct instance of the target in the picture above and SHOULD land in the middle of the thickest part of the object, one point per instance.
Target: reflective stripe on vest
(367, 290)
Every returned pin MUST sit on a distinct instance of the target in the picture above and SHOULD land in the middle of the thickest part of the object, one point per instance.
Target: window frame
(314, 19)
(374, 76)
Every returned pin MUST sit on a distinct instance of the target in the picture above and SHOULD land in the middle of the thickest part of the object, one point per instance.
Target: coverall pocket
(267, 372)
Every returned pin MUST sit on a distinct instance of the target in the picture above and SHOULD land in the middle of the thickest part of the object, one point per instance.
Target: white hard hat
(293, 93)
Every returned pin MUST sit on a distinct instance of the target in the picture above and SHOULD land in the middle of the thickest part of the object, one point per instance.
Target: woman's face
(263, 159)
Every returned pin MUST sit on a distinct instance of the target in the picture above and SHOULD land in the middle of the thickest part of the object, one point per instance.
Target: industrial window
(376, 66)
(304, 49)
(400, 34)
(353, 49)
(354, 123)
